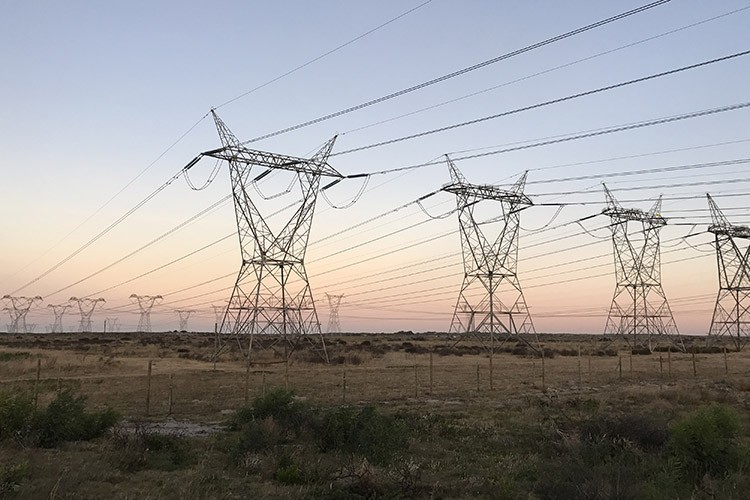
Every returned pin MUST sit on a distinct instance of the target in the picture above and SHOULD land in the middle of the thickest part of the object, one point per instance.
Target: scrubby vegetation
(64, 419)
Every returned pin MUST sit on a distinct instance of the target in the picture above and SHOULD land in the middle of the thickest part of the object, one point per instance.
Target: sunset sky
(105, 102)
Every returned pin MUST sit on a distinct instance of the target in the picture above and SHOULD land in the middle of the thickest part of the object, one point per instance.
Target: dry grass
(390, 371)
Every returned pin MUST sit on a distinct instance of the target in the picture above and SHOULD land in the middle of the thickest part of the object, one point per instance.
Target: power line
(550, 70)
(325, 54)
(460, 72)
(543, 104)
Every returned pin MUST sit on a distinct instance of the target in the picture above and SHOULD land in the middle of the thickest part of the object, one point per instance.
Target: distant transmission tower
(639, 310)
(58, 310)
(490, 302)
(334, 301)
(145, 304)
(112, 325)
(184, 315)
(18, 308)
(219, 314)
(732, 311)
(272, 300)
(86, 307)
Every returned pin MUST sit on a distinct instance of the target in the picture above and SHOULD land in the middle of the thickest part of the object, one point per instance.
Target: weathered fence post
(148, 389)
(36, 384)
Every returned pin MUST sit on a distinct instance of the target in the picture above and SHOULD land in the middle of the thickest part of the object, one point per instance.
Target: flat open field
(579, 378)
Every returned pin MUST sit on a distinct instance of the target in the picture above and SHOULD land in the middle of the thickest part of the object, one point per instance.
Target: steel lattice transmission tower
(145, 304)
(732, 311)
(58, 310)
(184, 315)
(18, 308)
(272, 300)
(219, 314)
(112, 325)
(639, 310)
(86, 307)
(334, 301)
(491, 300)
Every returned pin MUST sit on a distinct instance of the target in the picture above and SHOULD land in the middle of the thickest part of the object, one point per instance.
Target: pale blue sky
(93, 92)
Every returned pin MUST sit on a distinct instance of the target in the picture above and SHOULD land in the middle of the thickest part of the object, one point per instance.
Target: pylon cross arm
(241, 155)
(488, 192)
(732, 231)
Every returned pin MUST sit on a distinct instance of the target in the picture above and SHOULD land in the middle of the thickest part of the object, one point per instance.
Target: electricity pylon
(639, 311)
(334, 301)
(145, 304)
(112, 325)
(18, 308)
(219, 315)
(272, 301)
(58, 310)
(86, 307)
(732, 311)
(491, 302)
(184, 314)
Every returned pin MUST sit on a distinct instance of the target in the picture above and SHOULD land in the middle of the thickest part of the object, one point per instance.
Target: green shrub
(16, 414)
(707, 441)
(289, 472)
(66, 419)
(363, 432)
(11, 476)
(643, 431)
(143, 448)
(278, 404)
(256, 437)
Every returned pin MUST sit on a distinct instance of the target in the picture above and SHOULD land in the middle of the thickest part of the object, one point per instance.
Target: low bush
(141, 448)
(65, 419)
(16, 414)
(642, 431)
(11, 477)
(707, 442)
(364, 432)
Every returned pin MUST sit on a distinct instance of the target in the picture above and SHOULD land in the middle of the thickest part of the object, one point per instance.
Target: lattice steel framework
(18, 308)
(491, 302)
(59, 311)
(112, 325)
(86, 307)
(272, 300)
(184, 315)
(145, 304)
(639, 312)
(732, 311)
(334, 301)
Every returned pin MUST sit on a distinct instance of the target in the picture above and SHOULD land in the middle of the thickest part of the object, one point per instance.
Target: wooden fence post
(669, 362)
(492, 371)
(343, 384)
(171, 394)
(148, 389)
(544, 382)
(416, 382)
(247, 380)
(695, 368)
(619, 365)
(286, 374)
(661, 366)
(36, 384)
(580, 373)
(431, 386)
(726, 362)
(631, 365)
(478, 388)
